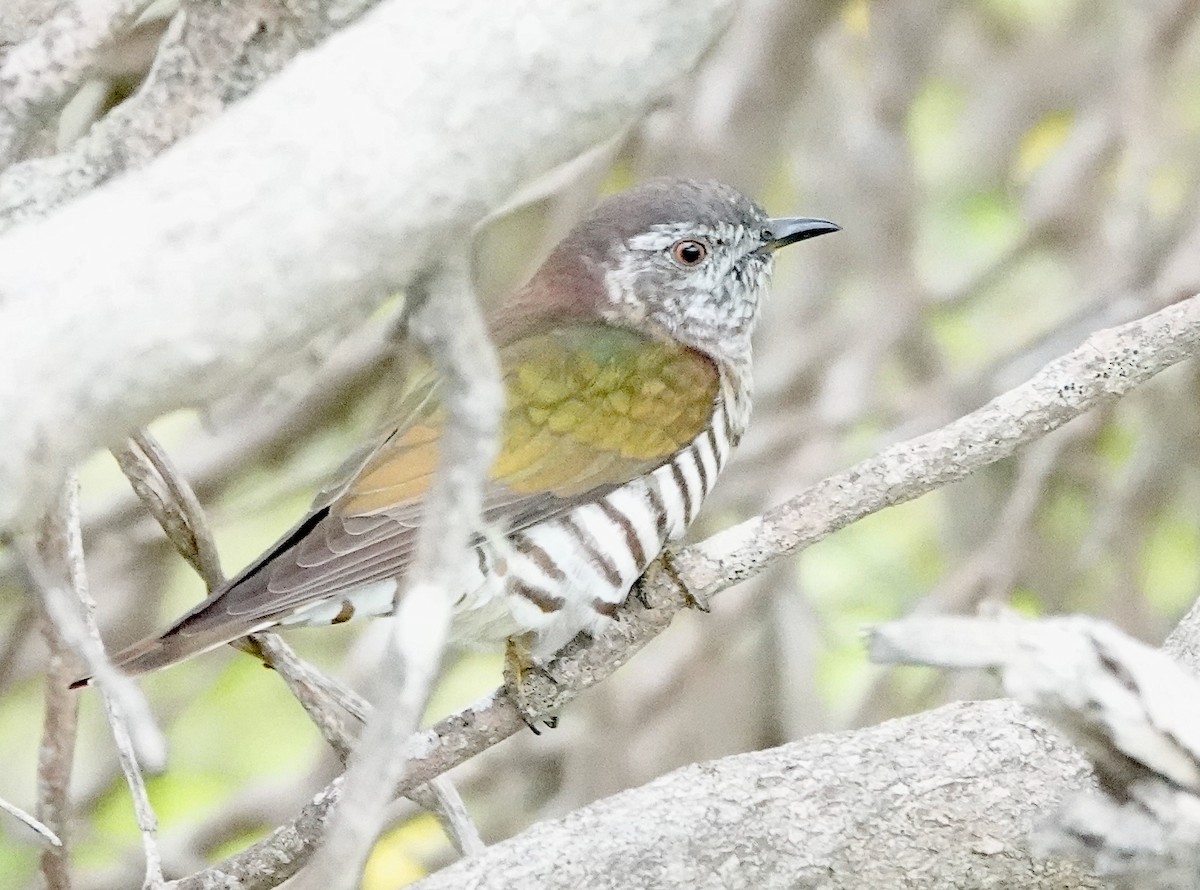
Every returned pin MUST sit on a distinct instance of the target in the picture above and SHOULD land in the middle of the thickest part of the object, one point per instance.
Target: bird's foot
(667, 559)
(529, 685)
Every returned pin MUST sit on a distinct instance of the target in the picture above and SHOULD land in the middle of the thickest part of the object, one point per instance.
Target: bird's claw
(529, 686)
(690, 599)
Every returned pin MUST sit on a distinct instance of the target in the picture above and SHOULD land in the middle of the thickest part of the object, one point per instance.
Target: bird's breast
(569, 574)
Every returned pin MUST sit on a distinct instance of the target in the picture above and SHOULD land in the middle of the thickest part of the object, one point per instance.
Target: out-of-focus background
(1010, 177)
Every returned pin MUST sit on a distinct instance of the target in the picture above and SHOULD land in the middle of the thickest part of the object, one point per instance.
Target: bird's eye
(689, 253)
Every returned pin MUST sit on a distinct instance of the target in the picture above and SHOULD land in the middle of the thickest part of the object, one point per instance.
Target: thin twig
(61, 546)
(305, 683)
(147, 739)
(449, 322)
(206, 559)
(43, 833)
(170, 499)
(456, 821)
(56, 753)
(441, 798)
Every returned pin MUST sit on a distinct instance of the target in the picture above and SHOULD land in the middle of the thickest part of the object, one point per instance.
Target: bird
(626, 364)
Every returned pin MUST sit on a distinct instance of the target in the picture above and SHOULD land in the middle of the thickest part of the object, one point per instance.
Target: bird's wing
(589, 407)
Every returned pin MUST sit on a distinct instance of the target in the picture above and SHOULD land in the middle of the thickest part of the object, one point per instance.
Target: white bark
(45, 68)
(1130, 708)
(944, 799)
(317, 196)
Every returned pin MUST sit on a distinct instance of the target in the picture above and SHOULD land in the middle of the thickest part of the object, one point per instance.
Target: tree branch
(56, 753)
(1106, 366)
(832, 811)
(40, 831)
(300, 196)
(58, 567)
(1131, 709)
(448, 322)
(53, 61)
(210, 56)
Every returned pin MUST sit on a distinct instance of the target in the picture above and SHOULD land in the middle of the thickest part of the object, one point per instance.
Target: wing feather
(589, 408)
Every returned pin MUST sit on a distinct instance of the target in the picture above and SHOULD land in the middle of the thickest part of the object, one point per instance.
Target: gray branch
(1131, 709)
(897, 805)
(449, 322)
(303, 206)
(42, 71)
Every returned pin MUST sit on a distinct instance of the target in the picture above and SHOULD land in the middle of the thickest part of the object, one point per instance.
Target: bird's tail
(169, 648)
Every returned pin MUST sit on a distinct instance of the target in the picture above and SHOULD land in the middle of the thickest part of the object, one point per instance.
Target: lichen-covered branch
(51, 62)
(897, 805)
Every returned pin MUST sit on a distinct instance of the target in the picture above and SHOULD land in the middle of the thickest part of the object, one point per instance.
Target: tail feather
(241, 607)
(171, 647)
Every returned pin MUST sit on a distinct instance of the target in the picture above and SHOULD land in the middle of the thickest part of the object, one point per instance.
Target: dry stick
(1105, 367)
(43, 833)
(56, 753)
(203, 556)
(45, 69)
(449, 323)
(59, 564)
(173, 503)
(451, 812)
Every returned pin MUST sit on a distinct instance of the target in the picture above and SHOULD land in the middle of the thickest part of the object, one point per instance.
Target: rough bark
(297, 209)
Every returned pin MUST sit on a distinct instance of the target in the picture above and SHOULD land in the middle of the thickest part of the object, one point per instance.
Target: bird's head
(677, 259)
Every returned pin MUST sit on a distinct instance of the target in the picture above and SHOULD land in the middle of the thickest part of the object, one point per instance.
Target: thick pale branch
(54, 60)
(1130, 708)
(211, 56)
(303, 206)
(922, 802)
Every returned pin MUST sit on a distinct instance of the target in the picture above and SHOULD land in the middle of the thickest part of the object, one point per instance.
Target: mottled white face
(701, 284)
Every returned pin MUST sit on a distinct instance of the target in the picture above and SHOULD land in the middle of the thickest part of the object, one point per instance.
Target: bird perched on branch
(626, 364)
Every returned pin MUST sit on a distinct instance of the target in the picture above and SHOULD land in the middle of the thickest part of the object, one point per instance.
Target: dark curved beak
(790, 229)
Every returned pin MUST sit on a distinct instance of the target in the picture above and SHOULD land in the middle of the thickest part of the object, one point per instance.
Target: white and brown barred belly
(568, 574)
